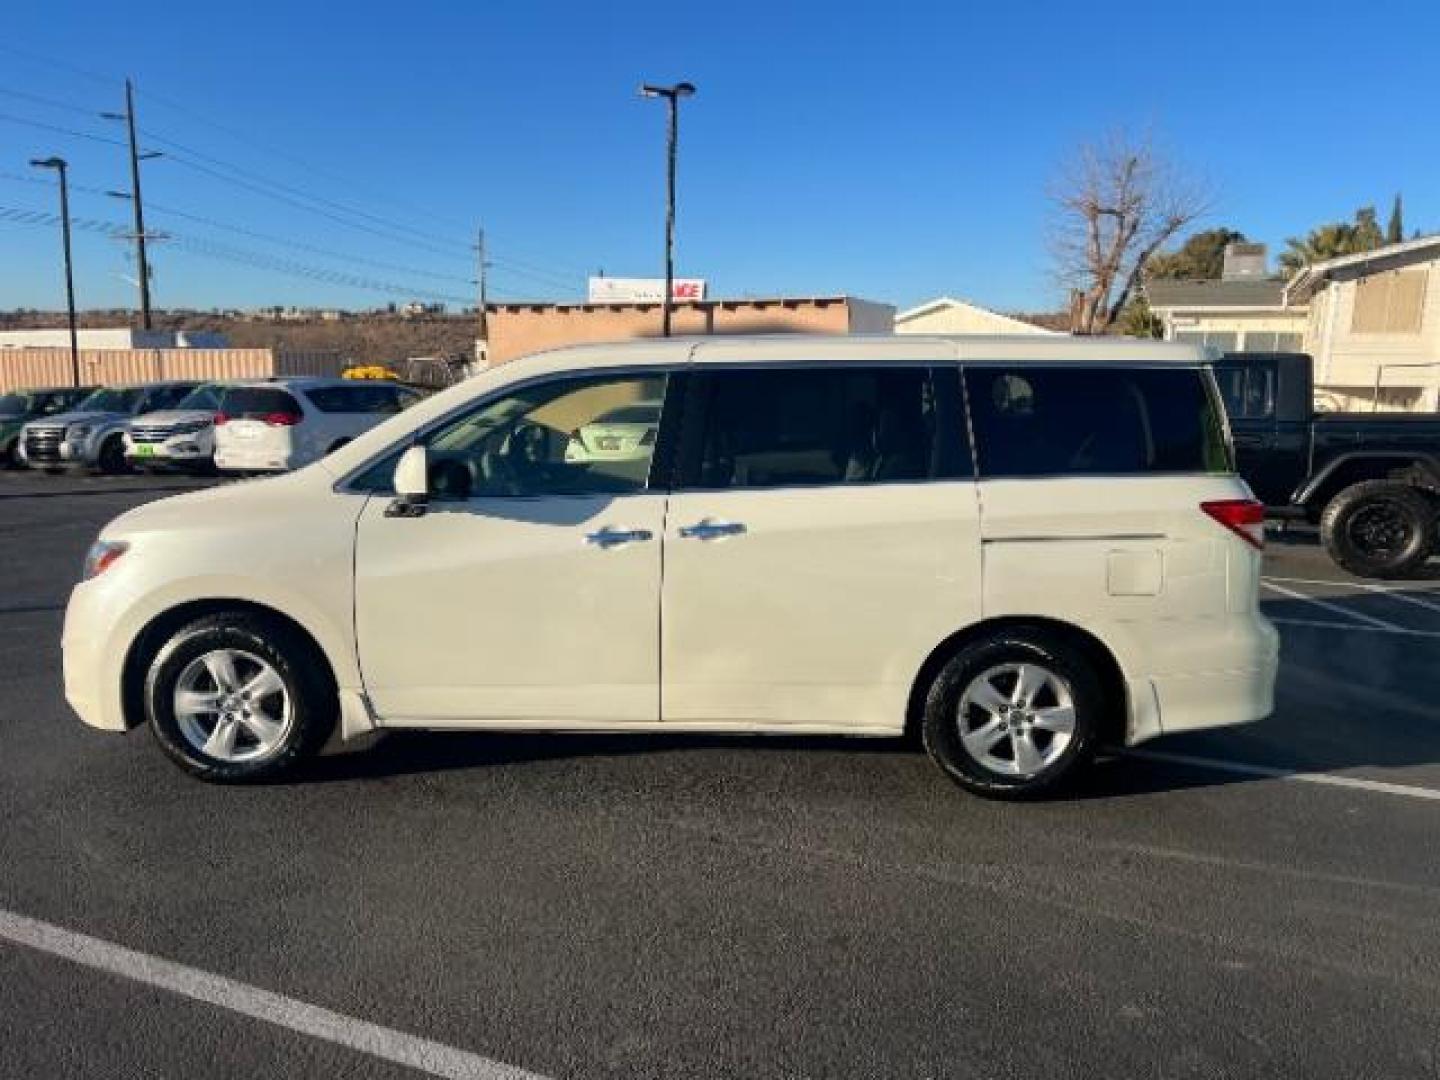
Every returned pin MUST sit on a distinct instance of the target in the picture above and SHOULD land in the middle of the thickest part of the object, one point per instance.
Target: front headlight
(77, 431)
(101, 556)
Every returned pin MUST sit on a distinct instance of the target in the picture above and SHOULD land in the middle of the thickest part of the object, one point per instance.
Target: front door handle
(610, 537)
(710, 529)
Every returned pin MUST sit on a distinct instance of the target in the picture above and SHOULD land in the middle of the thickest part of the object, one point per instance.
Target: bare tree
(1118, 203)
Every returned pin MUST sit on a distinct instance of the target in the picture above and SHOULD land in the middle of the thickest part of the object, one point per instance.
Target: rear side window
(355, 399)
(816, 426)
(1247, 387)
(1034, 421)
(253, 402)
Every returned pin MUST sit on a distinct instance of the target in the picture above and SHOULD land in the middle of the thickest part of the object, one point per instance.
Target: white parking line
(1381, 590)
(1370, 620)
(1321, 624)
(379, 1042)
(1327, 779)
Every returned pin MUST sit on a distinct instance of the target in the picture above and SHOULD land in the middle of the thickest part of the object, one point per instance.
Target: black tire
(111, 459)
(1075, 672)
(1379, 529)
(10, 454)
(302, 670)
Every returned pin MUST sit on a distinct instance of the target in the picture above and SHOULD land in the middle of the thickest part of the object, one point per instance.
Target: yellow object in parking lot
(370, 371)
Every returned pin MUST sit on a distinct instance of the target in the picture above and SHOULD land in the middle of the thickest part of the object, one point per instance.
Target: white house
(1243, 311)
(946, 315)
(1373, 325)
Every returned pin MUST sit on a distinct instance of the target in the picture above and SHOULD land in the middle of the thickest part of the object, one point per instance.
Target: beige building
(519, 329)
(947, 315)
(1244, 311)
(1373, 326)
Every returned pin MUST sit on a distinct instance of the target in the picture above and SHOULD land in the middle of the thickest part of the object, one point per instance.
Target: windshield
(202, 397)
(111, 399)
(13, 405)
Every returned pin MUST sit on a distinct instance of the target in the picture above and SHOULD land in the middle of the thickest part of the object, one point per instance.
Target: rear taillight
(1244, 517)
(281, 419)
(221, 418)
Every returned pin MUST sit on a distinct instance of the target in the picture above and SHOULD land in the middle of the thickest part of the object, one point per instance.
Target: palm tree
(1331, 241)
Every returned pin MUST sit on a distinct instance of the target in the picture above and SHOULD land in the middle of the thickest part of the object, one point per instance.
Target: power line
(52, 103)
(314, 249)
(61, 130)
(293, 191)
(285, 193)
(209, 249)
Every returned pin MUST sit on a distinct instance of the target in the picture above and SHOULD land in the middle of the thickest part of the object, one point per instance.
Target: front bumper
(85, 664)
(179, 451)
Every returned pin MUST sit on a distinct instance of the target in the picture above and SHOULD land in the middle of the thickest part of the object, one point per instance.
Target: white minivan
(1021, 549)
(282, 424)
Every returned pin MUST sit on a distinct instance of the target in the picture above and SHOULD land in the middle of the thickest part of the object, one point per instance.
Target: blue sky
(894, 152)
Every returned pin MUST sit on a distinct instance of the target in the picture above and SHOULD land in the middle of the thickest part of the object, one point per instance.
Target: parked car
(1371, 481)
(282, 424)
(1022, 548)
(21, 406)
(92, 435)
(620, 435)
(179, 437)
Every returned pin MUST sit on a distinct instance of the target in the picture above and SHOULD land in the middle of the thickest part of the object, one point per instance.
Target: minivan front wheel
(237, 696)
(1014, 715)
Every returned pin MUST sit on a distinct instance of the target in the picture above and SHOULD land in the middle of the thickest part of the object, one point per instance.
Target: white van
(282, 424)
(1022, 548)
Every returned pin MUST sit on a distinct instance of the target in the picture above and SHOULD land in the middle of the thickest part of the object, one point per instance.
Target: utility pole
(672, 96)
(60, 165)
(482, 317)
(135, 158)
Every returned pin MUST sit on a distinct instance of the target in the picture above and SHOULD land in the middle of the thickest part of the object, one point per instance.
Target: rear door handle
(610, 537)
(710, 529)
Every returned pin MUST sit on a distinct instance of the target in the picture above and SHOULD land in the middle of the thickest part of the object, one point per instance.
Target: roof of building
(941, 303)
(722, 302)
(1174, 293)
(1305, 283)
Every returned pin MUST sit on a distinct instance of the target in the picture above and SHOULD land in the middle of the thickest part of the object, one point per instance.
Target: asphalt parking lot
(1253, 902)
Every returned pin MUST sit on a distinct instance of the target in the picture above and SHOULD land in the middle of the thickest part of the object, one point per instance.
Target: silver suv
(92, 435)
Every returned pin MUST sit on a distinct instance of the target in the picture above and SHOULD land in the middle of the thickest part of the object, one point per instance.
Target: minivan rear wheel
(237, 696)
(1015, 714)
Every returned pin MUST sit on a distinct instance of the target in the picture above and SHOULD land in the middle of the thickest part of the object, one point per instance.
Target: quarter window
(837, 425)
(1074, 421)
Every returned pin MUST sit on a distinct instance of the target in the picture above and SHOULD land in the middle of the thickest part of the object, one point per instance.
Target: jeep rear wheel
(1379, 529)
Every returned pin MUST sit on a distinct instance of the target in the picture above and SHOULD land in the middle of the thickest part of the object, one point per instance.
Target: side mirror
(412, 484)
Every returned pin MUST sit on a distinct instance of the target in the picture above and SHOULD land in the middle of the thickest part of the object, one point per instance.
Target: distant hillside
(370, 339)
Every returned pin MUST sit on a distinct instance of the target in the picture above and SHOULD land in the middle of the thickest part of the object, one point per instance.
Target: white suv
(283, 424)
(1022, 549)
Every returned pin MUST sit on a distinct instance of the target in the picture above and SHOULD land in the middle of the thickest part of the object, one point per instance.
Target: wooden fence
(22, 368)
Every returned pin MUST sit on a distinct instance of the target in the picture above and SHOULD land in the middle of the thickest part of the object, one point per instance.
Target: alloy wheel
(1016, 719)
(232, 706)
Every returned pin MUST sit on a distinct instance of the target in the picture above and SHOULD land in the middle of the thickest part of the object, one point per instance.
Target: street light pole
(672, 96)
(60, 165)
